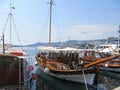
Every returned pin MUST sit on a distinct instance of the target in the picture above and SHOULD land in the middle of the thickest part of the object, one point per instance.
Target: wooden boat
(113, 65)
(15, 68)
(109, 50)
(92, 55)
(67, 64)
(63, 64)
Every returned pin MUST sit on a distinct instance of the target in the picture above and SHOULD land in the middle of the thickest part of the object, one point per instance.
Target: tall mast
(119, 37)
(51, 3)
(10, 14)
(3, 43)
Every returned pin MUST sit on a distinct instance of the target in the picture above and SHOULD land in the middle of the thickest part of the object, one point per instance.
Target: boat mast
(3, 43)
(119, 37)
(51, 3)
(10, 14)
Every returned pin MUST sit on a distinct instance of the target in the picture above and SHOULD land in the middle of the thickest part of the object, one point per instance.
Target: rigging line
(16, 30)
(43, 33)
(85, 79)
(57, 24)
(6, 23)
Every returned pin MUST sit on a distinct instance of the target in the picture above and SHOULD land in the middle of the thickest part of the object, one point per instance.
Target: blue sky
(70, 18)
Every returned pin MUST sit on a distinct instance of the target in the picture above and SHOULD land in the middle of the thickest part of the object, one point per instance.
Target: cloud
(88, 32)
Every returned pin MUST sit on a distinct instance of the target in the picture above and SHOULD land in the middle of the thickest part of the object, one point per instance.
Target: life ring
(17, 53)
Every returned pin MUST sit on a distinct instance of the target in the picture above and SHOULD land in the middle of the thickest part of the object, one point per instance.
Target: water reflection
(109, 80)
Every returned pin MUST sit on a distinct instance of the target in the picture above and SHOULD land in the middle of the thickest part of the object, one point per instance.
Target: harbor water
(106, 80)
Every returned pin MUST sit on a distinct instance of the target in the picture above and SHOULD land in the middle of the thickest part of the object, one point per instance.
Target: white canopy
(54, 49)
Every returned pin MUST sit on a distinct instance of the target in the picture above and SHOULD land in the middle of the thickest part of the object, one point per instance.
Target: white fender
(46, 70)
(106, 65)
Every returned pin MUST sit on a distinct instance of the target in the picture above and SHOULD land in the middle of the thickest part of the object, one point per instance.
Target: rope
(85, 80)
(16, 30)
(6, 23)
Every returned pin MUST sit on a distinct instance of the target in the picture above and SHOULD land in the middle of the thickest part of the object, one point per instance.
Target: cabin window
(81, 54)
(97, 55)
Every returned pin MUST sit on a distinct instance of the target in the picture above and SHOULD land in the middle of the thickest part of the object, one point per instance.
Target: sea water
(106, 81)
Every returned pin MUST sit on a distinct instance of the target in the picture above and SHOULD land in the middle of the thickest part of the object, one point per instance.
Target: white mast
(51, 3)
(10, 14)
(9, 17)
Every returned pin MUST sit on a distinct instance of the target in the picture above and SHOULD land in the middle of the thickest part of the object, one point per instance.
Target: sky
(71, 20)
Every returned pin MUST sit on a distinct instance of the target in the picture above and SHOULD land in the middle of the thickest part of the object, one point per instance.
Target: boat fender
(31, 68)
(36, 63)
(81, 62)
(106, 65)
(34, 77)
(46, 70)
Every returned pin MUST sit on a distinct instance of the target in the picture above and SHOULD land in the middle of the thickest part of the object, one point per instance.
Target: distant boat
(15, 68)
(107, 48)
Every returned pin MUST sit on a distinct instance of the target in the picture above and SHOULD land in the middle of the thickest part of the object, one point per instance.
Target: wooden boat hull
(91, 74)
(113, 66)
(78, 77)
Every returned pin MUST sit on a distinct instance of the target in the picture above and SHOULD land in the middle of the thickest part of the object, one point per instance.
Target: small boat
(15, 68)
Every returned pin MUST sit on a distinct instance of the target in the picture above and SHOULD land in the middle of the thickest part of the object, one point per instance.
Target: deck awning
(54, 49)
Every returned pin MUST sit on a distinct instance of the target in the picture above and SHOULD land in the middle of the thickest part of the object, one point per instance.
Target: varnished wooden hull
(113, 66)
(91, 74)
(74, 76)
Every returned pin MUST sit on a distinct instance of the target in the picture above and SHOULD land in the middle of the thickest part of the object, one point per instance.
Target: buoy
(106, 65)
(36, 63)
(46, 70)
(34, 77)
(31, 68)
